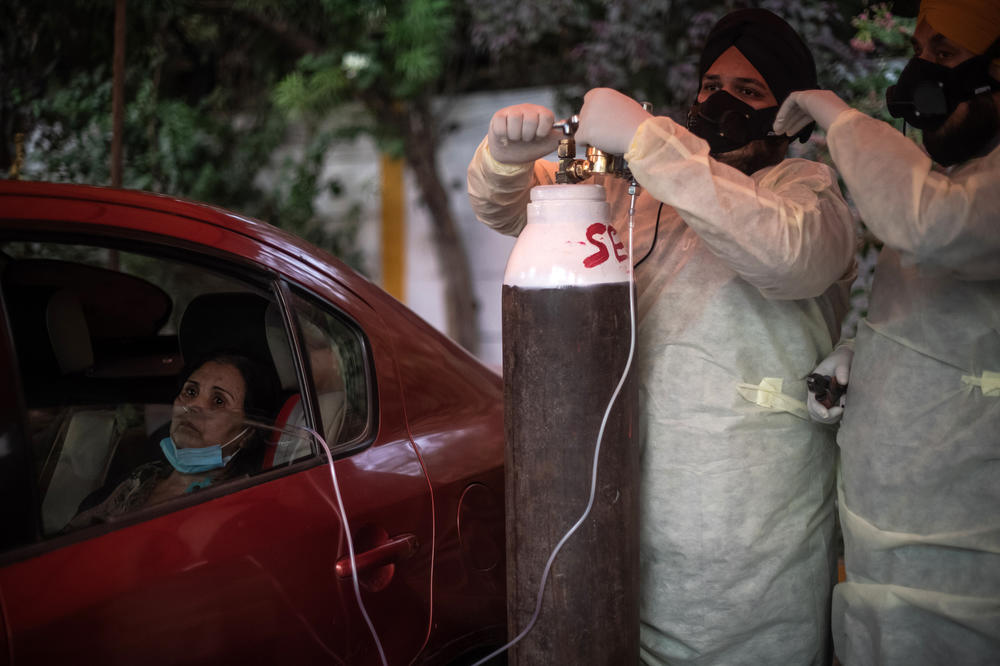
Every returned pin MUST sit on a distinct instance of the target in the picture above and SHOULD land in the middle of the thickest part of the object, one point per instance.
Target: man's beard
(962, 137)
(755, 155)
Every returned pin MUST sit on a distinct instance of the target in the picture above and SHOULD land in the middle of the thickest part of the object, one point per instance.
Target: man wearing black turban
(771, 46)
(784, 63)
(746, 260)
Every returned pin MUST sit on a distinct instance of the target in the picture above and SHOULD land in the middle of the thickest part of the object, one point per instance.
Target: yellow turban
(974, 24)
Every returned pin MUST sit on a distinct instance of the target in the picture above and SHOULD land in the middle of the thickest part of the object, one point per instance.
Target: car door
(254, 570)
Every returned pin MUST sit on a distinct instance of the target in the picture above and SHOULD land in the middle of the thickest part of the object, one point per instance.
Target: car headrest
(68, 332)
(236, 321)
(116, 305)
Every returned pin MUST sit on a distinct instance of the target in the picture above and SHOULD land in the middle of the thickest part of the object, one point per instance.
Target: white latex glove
(837, 364)
(522, 133)
(608, 120)
(804, 106)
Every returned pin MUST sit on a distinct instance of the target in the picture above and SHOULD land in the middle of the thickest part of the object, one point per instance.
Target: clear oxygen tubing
(633, 190)
(343, 519)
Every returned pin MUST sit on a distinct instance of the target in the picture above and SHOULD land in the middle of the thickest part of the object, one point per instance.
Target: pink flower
(863, 45)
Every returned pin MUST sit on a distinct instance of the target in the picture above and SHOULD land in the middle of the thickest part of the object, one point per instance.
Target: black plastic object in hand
(826, 389)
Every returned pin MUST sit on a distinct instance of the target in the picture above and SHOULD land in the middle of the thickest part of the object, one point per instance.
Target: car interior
(100, 352)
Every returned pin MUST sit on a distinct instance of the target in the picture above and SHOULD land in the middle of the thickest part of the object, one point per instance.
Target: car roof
(304, 252)
(322, 265)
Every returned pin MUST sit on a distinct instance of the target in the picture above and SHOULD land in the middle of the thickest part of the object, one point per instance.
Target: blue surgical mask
(197, 460)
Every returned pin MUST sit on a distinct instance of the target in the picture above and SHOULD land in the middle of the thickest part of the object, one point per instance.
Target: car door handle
(390, 552)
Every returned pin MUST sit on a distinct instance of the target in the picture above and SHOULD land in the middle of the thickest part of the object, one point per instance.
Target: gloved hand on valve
(522, 133)
(836, 366)
(609, 120)
(805, 106)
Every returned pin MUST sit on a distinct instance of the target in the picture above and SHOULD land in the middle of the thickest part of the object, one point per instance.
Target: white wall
(487, 250)
(356, 165)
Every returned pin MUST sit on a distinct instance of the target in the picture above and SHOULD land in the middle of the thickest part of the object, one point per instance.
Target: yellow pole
(393, 228)
(18, 162)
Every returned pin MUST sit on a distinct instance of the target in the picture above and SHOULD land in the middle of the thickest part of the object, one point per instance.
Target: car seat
(88, 344)
(233, 321)
(122, 353)
(78, 461)
(249, 324)
(291, 441)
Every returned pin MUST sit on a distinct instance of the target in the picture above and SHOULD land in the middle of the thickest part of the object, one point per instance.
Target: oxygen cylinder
(566, 338)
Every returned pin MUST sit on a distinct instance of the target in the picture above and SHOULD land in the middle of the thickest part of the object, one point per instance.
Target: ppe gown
(920, 438)
(740, 296)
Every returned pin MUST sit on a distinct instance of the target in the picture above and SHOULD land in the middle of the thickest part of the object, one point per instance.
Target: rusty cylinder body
(566, 333)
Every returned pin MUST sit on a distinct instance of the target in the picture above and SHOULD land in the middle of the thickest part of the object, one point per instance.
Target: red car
(106, 295)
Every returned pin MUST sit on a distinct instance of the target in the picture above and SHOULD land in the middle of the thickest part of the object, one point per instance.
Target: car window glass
(337, 363)
(105, 341)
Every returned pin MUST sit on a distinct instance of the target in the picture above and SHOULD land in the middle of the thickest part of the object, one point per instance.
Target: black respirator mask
(927, 93)
(727, 123)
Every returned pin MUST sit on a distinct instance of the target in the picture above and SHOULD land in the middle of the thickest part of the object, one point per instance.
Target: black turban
(771, 46)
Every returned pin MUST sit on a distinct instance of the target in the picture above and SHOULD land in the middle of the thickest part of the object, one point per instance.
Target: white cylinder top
(568, 241)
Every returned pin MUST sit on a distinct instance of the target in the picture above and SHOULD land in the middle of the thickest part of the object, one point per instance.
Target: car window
(336, 360)
(130, 362)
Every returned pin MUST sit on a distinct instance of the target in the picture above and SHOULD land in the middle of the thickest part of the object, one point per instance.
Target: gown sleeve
(946, 218)
(787, 230)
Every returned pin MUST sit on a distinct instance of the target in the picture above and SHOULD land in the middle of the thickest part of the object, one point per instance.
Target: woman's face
(209, 408)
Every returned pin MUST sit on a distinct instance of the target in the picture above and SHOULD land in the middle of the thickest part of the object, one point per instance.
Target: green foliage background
(213, 86)
(199, 120)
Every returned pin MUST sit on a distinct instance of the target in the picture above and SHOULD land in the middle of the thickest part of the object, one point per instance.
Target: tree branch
(291, 36)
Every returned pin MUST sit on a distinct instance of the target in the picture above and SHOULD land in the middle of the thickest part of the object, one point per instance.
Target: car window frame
(263, 278)
(291, 290)
(16, 474)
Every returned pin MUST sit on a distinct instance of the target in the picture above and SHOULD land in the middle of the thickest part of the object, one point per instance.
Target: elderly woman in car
(211, 438)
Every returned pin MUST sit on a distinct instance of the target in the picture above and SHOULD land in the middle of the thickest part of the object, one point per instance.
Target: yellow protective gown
(920, 438)
(740, 298)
